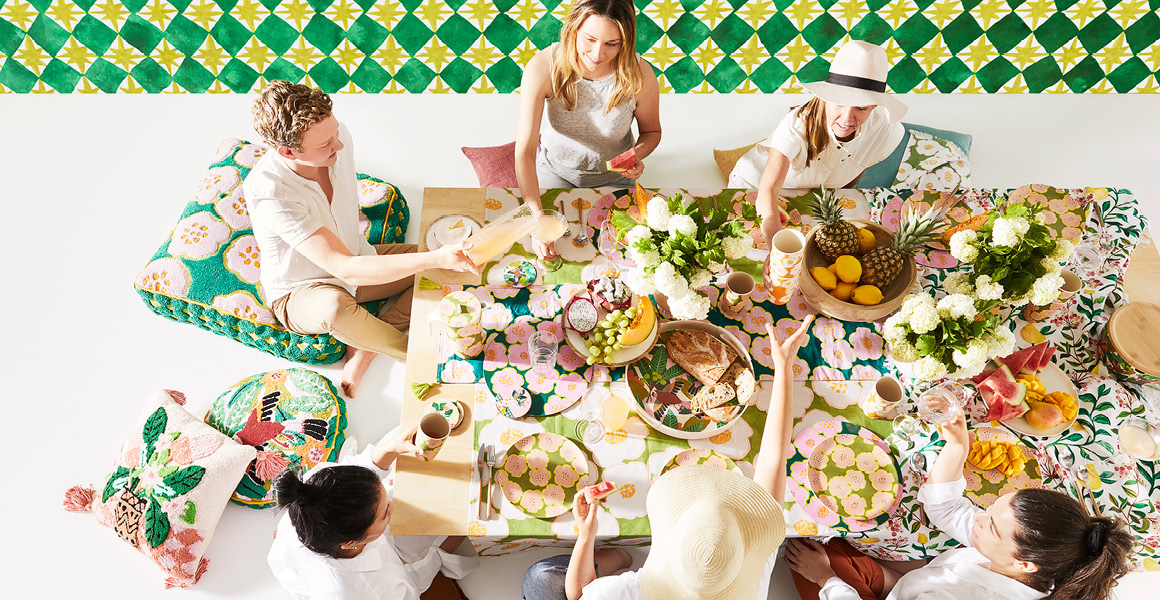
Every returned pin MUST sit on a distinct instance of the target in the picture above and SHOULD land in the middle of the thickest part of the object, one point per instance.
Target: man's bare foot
(611, 560)
(357, 363)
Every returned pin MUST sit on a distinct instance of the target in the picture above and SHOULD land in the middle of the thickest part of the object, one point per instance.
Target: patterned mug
(738, 286)
(433, 431)
(461, 313)
(785, 262)
(879, 400)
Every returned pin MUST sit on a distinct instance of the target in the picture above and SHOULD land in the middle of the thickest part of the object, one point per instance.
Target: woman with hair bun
(1031, 544)
(332, 543)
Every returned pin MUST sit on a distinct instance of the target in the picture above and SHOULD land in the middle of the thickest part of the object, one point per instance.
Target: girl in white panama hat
(850, 124)
(715, 533)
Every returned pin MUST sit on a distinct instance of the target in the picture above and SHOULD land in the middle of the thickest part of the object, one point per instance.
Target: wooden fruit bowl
(892, 295)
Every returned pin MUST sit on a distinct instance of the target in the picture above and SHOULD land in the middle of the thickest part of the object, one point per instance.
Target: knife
(482, 466)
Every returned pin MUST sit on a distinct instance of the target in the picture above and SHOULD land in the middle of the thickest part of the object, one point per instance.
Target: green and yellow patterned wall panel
(478, 46)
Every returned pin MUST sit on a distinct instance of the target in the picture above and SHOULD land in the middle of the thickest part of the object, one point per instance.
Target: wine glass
(549, 228)
(590, 428)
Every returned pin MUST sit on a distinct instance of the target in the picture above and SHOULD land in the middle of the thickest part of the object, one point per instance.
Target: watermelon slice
(624, 161)
(1046, 358)
(1002, 374)
(981, 377)
(1016, 360)
(1031, 367)
(1002, 407)
(602, 489)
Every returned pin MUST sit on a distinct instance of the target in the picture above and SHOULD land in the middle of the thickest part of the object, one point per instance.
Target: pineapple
(834, 236)
(883, 264)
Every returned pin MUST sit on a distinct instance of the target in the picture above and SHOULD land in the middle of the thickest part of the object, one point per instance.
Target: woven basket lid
(1133, 331)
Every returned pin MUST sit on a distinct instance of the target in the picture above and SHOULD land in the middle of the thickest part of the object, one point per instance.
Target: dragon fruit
(581, 315)
(611, 292)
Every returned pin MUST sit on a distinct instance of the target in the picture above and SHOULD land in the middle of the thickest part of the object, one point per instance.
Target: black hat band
(856, 82)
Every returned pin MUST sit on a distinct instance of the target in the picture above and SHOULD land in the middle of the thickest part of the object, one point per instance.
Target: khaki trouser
(318, 308)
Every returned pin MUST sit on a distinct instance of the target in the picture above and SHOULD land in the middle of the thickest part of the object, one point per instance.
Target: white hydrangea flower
(963, 245)
(958, 283)
(1045, 290)
(639, 282)
(988, 289)
(636, 234)
(669, 281)
(658, 213)
(894, 321)
(682, 224)
(929, 368)
(976, 354)
(909, 304)
(957, 306)
(649, 259)
(1063, 249)
(716, 267)
(737, 247)
(903, 351)
(1020, 225)
(690, 307)
(1041, 217)
(924, 318)
(700, 278)
(1052, 266)
(1001, 342)
(1003, 234)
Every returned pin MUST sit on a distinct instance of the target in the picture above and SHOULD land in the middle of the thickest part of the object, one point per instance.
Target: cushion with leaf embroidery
(167, 488)
(294, 418)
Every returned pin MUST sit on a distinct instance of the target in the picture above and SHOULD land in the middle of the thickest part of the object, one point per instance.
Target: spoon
(582, 236)
(916, 464)
(1068, 462)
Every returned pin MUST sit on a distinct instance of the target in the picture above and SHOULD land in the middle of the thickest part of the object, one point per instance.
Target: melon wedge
(642, 325)
(1001, 407)
(1031, 367)
(981, 377)
(624, 161)
(1046, 358)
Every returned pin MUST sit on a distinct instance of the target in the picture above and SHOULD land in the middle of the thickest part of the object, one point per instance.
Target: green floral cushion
(206, 272)
(167, 488)
(294, 418)
(931, 163)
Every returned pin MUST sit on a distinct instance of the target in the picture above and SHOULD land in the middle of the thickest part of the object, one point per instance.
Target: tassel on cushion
(176, 396)
(270, 464)
(78, 498)
(173, 582)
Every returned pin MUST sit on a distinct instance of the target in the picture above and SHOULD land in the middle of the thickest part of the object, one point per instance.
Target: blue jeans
(545, 579)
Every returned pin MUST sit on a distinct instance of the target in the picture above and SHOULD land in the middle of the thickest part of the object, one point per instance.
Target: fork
(492, 460)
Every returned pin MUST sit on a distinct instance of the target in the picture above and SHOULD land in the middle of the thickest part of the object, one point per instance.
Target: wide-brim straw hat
(712, 531)
(858, 78)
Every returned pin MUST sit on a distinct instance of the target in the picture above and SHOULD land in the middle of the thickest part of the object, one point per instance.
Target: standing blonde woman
(594, 86)
(850, 124)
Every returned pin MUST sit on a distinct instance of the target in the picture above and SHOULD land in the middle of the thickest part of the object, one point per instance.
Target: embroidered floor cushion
(294, 418)
(167, 488)
(206, 272)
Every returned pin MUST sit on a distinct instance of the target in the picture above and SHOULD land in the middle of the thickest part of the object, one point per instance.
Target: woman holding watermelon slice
(1030, 544)
(594, 86)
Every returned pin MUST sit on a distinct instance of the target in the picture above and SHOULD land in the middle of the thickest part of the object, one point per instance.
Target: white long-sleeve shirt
(959, 574)
(396, 567)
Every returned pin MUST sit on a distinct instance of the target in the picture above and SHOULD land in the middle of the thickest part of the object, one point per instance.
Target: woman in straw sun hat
(850, 124)
(1030, 544)
(715, 533)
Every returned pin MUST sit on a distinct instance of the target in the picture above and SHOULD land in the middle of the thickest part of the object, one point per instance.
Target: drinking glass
(1139, 440)
(542, 347)
(499, 234)
(590, 429)
(549, 228)
(936, 406)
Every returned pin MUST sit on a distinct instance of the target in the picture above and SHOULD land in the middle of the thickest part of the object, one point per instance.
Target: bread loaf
(712, 396)
(723, 414)
(700, 354)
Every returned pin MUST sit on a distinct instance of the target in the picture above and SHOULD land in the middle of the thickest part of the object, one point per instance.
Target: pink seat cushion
(495, 166)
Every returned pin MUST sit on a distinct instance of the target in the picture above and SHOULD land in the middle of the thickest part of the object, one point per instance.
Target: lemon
(866, 240)
(824, 277)
(867, 295)
(849, 269)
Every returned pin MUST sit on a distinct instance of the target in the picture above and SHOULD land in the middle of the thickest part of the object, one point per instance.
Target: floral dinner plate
(541, 473)
(853, 476)
(700, 456)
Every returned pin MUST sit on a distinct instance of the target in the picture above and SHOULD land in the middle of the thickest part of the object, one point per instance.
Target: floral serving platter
(541, 473)
(798, 482)
(854, 476)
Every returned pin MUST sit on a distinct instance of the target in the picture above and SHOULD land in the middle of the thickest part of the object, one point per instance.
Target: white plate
(620, 356)
(1054, 380)
(437, 234)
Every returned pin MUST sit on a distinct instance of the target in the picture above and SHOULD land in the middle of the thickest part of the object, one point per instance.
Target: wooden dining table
(439, 497)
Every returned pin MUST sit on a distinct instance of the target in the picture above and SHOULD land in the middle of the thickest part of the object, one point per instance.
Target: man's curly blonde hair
(284, 111)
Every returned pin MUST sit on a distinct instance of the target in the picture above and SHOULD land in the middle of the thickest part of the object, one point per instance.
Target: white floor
(93, 184)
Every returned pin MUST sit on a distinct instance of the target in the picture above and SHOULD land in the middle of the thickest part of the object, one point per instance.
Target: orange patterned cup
(785, 262)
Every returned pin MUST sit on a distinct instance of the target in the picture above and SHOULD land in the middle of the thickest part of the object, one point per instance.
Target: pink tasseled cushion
(495, 166)
(167, 488)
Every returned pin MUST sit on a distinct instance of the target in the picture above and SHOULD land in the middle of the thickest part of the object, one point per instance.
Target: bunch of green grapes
(607, 335)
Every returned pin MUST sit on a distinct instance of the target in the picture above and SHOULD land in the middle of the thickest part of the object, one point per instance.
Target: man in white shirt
(316, 264)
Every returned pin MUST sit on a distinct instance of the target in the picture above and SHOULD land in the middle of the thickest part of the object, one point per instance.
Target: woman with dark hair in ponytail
(332, 543)
(1031, 544)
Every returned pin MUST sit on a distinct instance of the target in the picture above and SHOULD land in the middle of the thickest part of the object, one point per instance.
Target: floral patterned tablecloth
(840, 362)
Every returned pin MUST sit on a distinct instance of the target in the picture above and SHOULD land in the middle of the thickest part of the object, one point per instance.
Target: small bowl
(892, 295)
